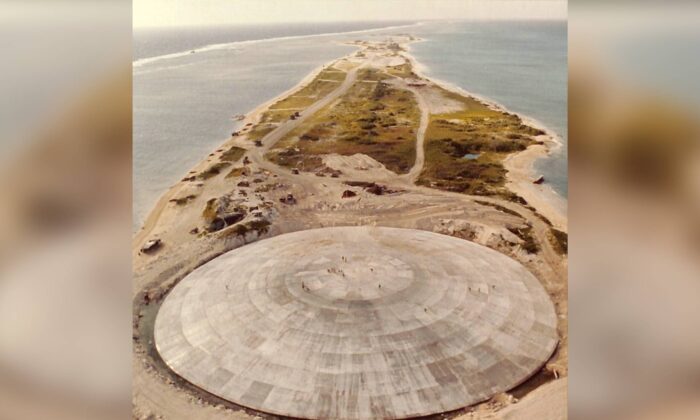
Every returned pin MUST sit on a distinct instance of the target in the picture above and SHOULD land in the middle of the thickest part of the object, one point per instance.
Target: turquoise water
(183, 102)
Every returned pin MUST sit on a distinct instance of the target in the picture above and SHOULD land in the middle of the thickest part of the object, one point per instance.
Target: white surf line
(554, 205)
(422, 70)
(232, 45)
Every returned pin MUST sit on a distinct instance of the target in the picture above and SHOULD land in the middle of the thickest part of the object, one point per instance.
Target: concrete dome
(357, 322)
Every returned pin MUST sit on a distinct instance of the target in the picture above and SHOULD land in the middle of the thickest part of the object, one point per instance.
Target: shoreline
(274, 199)
(140, 62)
(253, 117)
(520, 165)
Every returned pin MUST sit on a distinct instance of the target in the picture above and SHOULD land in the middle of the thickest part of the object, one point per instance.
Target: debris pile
(288, 199)
(371, 187)
(151, 246)
(235, 208)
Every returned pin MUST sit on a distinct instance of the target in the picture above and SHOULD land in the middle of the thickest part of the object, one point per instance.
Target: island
(368, 141)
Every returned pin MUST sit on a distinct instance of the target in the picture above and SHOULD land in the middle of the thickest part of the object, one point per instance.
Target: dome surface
(356, 323)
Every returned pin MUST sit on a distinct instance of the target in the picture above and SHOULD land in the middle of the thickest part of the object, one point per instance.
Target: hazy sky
(213, 12)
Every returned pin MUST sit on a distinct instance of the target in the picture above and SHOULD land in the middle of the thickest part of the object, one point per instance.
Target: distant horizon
(299, 23)
(394, 22)
(206, 13)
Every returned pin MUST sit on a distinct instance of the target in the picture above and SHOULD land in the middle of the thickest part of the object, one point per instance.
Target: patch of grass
(332, 73)
(484, 176)
(476, 129)
(371, 75)
(404, 70)
(260, 131)
(375, 119)
(213, 170)
(559, 240)
(233, 154)
(273, 117)
(324, 83)
(295, 158)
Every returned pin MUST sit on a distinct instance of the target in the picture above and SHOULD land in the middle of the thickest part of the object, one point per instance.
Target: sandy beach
(520, 166)
(520, 180)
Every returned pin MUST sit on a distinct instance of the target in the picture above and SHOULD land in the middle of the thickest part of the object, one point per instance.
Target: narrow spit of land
(364, 140)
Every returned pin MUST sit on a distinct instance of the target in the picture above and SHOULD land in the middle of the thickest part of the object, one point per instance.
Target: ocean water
(184, 102)
(521, 65)
(159, 42)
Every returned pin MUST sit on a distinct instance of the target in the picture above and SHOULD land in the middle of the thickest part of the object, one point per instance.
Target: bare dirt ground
(318, 201)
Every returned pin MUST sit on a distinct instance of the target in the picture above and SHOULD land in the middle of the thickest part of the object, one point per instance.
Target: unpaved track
(286, 127)
(414, 173)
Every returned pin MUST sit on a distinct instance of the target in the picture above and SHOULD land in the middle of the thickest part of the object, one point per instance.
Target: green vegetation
(403, 71)
(373, 118)
(479, 130)
(559, 240)
(371, 75)
(332, 74)
(273, 116)
(233, 154)
(213, 170)
(323, 84)
(261, 130)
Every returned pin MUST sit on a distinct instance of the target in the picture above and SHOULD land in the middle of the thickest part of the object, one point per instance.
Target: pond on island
(472, 156)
